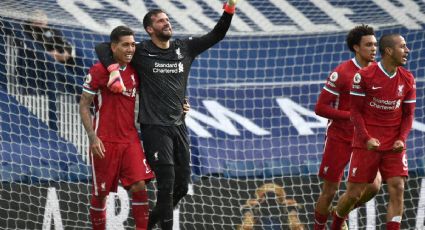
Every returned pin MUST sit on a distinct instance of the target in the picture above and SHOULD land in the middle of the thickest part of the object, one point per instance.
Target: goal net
(256, 143)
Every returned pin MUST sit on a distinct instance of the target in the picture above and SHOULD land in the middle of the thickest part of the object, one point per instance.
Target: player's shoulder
(346, 66)
(406, 73)
(98, 68)
(179, 43)
(369, 71)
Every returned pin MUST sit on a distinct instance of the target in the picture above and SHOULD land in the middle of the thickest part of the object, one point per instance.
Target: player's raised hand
(230, 6)
(232, 2)
(372, 144)
(115, 83)
(398, 146)
(96, 146)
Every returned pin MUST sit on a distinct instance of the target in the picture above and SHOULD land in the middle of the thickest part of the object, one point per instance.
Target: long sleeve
(104, 53)
(357, 103)
(198, 45)
(324, 109)
(406, 120)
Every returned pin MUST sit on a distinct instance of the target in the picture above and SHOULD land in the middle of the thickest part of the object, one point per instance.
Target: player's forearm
(324, 109)
(222, 26)
(104, 53)
(407, 120)
(328, 112)
(200, 44)
(357, 118)
(86, 118)
(87, 123)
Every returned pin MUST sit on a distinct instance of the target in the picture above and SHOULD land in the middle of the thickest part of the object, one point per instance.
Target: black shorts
(167, 145)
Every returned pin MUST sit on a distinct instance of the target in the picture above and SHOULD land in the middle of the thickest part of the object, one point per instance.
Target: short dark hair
(355, 35)
(119, 32)
(147, 20)
(386, 41)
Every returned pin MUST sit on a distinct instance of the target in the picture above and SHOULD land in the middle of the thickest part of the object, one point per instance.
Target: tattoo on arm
(85, 103)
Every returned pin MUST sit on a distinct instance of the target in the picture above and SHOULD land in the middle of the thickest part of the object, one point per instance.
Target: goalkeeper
(163, 67)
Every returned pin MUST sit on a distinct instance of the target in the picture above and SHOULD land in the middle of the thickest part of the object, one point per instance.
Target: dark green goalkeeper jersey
(164, 73)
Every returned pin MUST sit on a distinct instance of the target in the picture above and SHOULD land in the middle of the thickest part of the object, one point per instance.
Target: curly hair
(355, 35)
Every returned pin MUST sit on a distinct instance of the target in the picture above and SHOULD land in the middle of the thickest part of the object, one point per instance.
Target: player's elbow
(318, 110)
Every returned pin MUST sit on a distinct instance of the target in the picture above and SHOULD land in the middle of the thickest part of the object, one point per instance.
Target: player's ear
(113, 46)
(389, 51)
(149, 30)
(356, 48)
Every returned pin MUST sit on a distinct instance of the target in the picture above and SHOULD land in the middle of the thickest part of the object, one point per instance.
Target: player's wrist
(230, 9)
(91, 136)
(403, 140)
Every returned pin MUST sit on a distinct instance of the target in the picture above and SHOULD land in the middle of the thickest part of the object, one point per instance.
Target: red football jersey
(339, 84)
(114, 112)
(384, 96)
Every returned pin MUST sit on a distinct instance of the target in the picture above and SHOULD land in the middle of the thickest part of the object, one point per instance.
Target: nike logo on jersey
(152, 55)
(373, 87)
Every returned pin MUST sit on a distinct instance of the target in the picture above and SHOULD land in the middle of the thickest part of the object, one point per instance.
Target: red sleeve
(94, 79)
(324, 109)
(407, 120)
(357, 100)
(408, 113)
(409, 104)
(356, 105)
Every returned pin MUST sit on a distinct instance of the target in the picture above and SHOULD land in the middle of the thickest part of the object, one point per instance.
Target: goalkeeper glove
(230, 6)
(115, 83)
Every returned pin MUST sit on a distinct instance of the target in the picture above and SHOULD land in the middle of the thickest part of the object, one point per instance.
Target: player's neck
(123, 65)
(362, 62)
(388, 66)
(161, 44)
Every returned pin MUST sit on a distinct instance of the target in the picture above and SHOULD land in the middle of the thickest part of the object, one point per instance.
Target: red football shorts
(365, 164)
(336, 156)
(123, 162)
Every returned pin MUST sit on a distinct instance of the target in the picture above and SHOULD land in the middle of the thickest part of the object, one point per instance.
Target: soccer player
(163, 66)
(383, 98)
(334, 104)
(116, 151)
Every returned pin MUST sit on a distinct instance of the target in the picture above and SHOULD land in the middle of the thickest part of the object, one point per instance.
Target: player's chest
(387, 88)
(156, 64)
(130, 79)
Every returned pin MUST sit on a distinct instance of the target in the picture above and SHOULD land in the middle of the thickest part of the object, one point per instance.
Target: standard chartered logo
(171, 67)
(385, 104)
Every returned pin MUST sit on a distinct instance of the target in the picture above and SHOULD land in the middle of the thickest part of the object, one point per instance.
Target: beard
(164, 36)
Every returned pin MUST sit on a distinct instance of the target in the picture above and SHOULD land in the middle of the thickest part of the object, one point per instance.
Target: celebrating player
(383, 98)
(334, 104)
(116, 152)
(163, 66)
